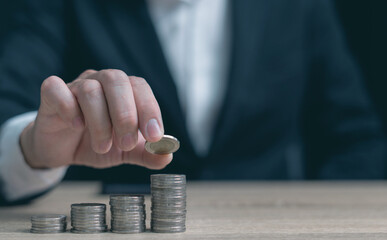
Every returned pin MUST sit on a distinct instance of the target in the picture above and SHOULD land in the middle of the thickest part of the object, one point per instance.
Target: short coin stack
(127, 213)
(168, 203)
(48, 223)
(88, 218)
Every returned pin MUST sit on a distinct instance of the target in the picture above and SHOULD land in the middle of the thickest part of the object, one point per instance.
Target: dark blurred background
(364, 23)
(365, 26)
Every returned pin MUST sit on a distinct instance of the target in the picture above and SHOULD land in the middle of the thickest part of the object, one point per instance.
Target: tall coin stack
(48, 223)
(88, 218)
(128, 213)
(168, 203)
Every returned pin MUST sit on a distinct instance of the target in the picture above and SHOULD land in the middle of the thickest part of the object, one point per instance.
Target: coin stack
(49, 223)
(168, 203)
(128, 213)
(88, 218)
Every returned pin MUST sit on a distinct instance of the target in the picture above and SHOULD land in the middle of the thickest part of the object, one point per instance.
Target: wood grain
(236, 210)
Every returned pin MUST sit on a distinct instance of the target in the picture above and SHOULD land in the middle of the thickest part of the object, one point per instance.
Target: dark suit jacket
(295, 107)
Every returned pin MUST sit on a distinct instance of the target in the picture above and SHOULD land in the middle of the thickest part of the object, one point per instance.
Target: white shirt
(194, 35)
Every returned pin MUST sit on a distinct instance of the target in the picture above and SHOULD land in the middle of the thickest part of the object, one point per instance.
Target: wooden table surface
(235, 210)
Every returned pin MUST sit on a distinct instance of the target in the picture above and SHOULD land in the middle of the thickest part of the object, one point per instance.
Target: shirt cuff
(18, 179)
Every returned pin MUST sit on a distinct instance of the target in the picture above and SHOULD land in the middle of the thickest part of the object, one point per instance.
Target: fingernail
(78, 122)
(104, 146)
(127, 141)
(153, 129)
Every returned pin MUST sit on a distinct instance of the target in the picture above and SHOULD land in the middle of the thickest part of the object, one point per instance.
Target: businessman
(252, 89)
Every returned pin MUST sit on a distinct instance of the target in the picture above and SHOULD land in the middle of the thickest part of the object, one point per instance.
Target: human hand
(101, 119)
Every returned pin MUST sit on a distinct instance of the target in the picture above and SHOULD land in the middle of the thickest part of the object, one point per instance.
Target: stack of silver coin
(127, 213)
(168, 203)
(48, 223)
(88, 218)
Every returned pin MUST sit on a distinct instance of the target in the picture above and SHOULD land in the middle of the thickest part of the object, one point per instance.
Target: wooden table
(236, 210)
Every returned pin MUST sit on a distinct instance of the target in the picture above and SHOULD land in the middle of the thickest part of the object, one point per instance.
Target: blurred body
(293, 104)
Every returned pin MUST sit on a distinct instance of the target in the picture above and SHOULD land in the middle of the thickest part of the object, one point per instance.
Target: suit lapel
(248, 23)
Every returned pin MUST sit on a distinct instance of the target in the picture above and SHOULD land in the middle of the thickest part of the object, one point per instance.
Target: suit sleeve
(343, 134)
(20, 181)
(32, 48)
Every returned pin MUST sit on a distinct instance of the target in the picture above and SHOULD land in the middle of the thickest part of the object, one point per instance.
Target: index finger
(148, 110)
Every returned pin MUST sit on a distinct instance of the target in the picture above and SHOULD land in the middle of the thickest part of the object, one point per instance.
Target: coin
(88, 218)
(127, 213)
(168, 203)
(167, 144)
(48, 223)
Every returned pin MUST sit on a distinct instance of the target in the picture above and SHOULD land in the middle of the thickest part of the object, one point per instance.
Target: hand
(101, 119)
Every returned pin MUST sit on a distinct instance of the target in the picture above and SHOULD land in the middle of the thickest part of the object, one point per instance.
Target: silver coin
(128, 197)
(168, 190)
(128, 216)
(114, 204)
(48, 216)
(170, 187)
(88, 215)
(127, 232)
(166, 204)
(121, 219)
(169, 220)
(92, 227)
(169, 196)
(168, 178)
(128, 213)
(129, 229)
(127, 206)
(87, 219)
(87, 231)
(47, 231)
(128, 220)
(168, 182)
(48, 228)
(86, 223)
(88, 206)
(47, 224)
(138, 228)
(167, 144)
(129, 224)
(168, 230)
(160, 206)
(88, 211)
(169, 202)
(170, 213)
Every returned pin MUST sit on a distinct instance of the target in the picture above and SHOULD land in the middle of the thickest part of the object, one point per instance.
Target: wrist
(26, 146)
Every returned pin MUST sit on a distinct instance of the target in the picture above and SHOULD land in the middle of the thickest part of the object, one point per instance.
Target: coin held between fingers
(168, 144)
